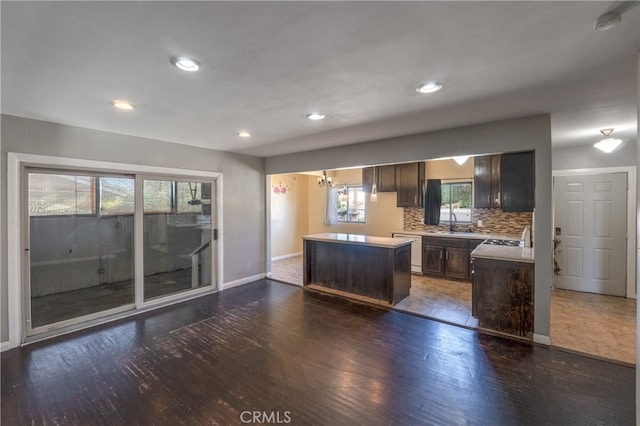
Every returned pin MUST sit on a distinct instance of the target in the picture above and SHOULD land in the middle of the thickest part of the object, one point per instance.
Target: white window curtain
(331, 211)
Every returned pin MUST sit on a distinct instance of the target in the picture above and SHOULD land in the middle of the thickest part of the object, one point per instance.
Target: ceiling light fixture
(324, 180)
(315, 116)
(607, 144)
(243, 134)
(123, 105)
(461, 159)
(185, 64)
(430, 87)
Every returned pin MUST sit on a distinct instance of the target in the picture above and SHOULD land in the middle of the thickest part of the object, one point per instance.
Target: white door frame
(17, 161)
(631, 292)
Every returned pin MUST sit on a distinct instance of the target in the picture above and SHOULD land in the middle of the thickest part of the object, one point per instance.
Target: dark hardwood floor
(293, 355)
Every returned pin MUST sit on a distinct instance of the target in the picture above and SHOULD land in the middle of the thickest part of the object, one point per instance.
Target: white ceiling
(267, 64)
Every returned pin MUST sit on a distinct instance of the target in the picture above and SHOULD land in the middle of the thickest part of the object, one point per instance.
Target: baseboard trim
(286, 256)
(5, 346)
(542, 339)
(242, 281)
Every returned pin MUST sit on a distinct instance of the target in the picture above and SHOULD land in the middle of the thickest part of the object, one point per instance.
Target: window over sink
(457, 198)
(351, 204)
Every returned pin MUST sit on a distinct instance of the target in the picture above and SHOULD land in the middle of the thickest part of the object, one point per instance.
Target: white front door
(590, 225)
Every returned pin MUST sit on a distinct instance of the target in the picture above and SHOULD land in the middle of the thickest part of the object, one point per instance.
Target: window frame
(458, 182)
(347, 188)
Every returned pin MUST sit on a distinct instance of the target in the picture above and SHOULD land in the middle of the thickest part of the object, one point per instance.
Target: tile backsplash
(494, 221)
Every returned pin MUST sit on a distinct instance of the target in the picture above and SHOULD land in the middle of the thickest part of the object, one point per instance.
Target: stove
(510, 243)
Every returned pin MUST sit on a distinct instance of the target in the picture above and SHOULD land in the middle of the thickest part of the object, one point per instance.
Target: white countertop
(467, 235)
(359, 239)
(497, 252)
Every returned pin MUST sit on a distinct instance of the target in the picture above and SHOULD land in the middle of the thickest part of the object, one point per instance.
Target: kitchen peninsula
(503, 287)
(375, 269)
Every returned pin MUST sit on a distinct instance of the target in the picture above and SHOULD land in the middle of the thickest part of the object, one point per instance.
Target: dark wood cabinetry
(386, 178)
(432, 259)
(448, 257)
(486, 182)
(456, 262)
(518, 181)
(367, 179)
(502, 296)
(409, 184)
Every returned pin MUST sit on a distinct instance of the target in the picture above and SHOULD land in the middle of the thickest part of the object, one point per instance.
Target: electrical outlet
(479, 223)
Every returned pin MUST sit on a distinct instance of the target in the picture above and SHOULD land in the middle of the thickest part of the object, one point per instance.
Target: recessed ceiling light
(315, 116)
(123, 105)
(430, 87)
(185, 64)
(243, 134)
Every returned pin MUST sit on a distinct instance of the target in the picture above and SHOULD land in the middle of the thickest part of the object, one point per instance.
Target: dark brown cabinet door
(486, 181)
(456, 262)
(482, 182)
(518, 181)
(432, 260)
(386, 177)
(367, 179)
(496, 184)
(409, 183)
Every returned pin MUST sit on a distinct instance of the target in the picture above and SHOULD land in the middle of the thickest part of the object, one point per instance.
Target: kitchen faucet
(453, 220)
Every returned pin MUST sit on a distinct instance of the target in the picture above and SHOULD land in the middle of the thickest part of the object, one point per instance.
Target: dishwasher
(416, 251)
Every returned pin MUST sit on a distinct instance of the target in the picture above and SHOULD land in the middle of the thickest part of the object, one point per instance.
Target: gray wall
(588, 157)
(530, 133)
(243, 179)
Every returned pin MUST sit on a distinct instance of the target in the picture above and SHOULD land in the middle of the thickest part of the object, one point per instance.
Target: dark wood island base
(373, 267)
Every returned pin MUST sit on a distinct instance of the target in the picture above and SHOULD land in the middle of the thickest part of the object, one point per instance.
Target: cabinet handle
(447, 255)
(440, 254)
(488, 199)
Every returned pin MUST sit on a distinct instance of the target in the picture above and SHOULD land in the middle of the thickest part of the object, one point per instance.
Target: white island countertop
(497, 252)
(365, 240)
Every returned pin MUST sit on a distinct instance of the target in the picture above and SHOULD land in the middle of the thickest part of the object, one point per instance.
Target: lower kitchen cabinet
(503, 296)
(432, 259)
(456, 262)
(447, 257)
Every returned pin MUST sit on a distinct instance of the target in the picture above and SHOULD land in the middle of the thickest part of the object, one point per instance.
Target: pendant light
(374, 189)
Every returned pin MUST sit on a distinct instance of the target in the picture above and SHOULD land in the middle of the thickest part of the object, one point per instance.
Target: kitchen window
(457, 198)
(351, 204)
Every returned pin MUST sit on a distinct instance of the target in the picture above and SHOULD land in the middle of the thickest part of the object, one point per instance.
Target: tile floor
(601, 326)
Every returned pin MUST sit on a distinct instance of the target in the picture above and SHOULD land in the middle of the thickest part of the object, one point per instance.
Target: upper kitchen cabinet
(409, 183)
(367, 179)
(386, 178)
(486, 182)
(518, 179)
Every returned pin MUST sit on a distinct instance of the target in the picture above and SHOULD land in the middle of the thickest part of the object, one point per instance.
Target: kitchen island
(503, 288)
(373, 269)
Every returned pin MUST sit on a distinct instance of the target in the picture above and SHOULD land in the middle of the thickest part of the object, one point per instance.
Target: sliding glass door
(101, 244)
(80, 245)
(177, 236)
